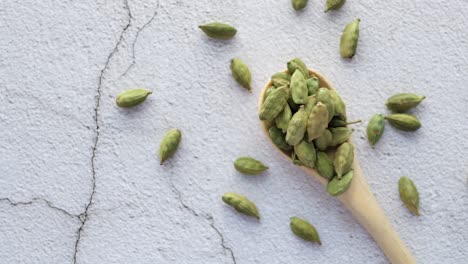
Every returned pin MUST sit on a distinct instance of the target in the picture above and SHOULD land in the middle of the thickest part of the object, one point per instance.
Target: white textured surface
(58, 57)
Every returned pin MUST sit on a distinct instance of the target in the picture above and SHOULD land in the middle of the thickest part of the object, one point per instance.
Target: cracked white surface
(81, 182)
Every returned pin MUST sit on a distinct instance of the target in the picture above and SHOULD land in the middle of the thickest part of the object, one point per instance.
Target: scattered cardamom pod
(304, 230)
(169, 144)
(274, 104)
(241, 73)
(241, 204)
(298, 87)
(337, 186)
(278, 138)
(218, 30)
(312, 85)
(298, 4)
(409, 194)
(324, 141)
(403, 102)
(344, 158)
(404, 122)
(334, 4)
(340, 135)
(280, 79)
(349, 39)
(131, 98)
(375, 129)
(324, 96)
(317, 122)
(282, 120)
(306, 153)
(250, 166)
(297, 127)
(324, 165)
(298, 64)
(340, 107)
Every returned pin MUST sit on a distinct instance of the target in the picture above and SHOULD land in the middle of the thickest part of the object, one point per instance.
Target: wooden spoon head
(323, 82)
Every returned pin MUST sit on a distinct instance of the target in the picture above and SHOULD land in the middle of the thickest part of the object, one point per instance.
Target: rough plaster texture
(80, 181)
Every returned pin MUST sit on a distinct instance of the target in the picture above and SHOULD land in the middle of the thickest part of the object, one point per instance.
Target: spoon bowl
(358, 198)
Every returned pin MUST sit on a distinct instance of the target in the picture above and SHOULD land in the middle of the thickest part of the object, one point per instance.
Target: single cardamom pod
(297, 127)
(349, 39)
(250, 166)
(403, 102)
(324, 96)
(317, 121)
(219, 30)
(340, 106)
(334, 4)
(375, 129)
(337, 186)
(324, 141)
(169, 144)
(298, 87)
(241, 73)
(280, 79)
(344, 158)
(298, 64)
(404, 122)
(324, 165)
(306, 153)
(282, 120)
(269, 90)
(304, 230)
(340, 135)
(131, 98)
(340, 122)
(311, 102)
(409, 194)
(312, 85)
(241, 204)
(274, 104)
(278, 138)
(298, 4)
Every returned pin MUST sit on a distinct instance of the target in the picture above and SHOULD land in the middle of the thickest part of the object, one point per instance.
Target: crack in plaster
(34, 200)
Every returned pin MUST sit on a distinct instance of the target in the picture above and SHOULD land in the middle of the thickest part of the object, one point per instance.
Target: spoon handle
(361, 202)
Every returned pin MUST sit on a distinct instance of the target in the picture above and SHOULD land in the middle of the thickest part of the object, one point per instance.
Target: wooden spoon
(359, 200)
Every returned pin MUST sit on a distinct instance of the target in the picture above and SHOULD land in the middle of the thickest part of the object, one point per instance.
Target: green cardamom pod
(340, 135)
(298, 64)
(250, 166)
(403, 102)
(317, 121)
(340, 106)
(324, 165)
(324, 96)
(219, 30)
(269, 90)
(282, 120)
(278, 138)
(297, 127)
(324, 141)
(306, 153)
(334, 4)
(409, 194)
(344, 158)
(169, 144)
(299, 4)
(131, 98)
(309, 105)
(280, 79)
(274, 104)
(340, 122)
(375, 129)
(312, 85)
(304, 230)
(404, 122)
(337, 186)
(349, 39)
(241, 73)
(298, 87)
(241, 204)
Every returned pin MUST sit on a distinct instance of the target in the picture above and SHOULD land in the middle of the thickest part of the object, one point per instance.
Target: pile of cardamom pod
(309, 123)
